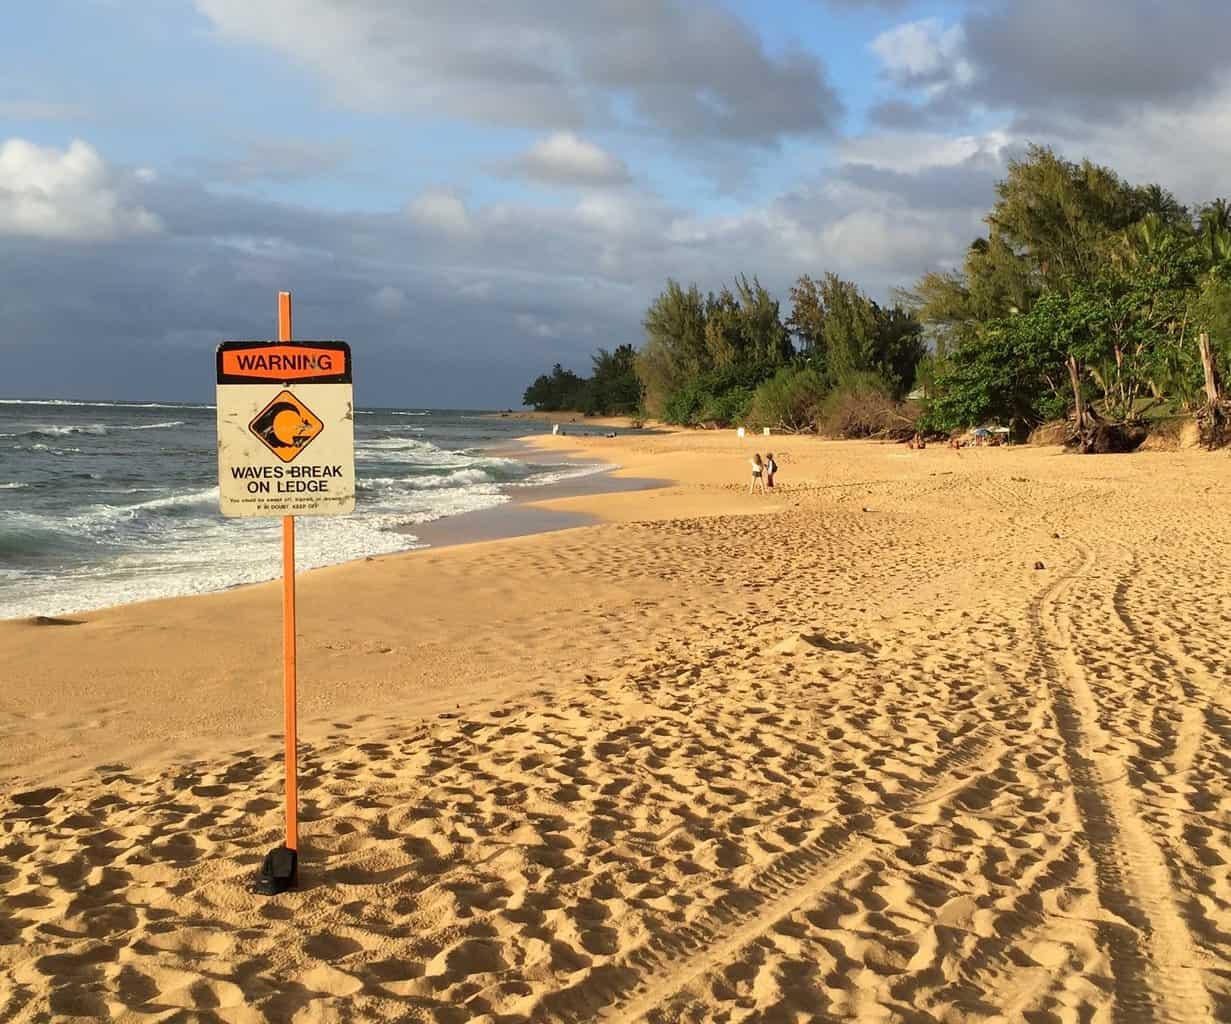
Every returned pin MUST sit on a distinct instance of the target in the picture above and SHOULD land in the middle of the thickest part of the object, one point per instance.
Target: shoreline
(532, 509)
(518, 516)
(570, 417)
(527, 513)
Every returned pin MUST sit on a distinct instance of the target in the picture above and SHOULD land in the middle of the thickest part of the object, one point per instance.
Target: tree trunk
(1079, 402)
(1212, 420)
(1207, 362)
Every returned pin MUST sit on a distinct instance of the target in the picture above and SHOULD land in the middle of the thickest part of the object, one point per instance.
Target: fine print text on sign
(286, 428)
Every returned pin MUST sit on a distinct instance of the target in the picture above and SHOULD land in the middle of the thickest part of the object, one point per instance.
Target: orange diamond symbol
(286, 426)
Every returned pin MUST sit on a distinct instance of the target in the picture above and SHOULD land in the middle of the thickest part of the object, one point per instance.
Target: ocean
(105, 503)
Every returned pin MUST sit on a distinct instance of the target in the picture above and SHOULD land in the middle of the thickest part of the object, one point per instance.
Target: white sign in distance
(286, 428)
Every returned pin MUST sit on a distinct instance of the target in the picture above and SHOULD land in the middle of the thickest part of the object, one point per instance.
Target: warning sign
(286, 428)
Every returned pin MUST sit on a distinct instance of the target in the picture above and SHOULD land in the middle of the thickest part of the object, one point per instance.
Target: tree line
(612, 389)
(1088, 298)
(731, 357)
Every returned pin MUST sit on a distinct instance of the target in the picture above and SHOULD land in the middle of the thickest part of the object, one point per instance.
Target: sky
(470, 192)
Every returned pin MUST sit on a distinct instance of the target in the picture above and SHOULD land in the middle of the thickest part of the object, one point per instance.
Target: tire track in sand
(1157, 966)
(647, 976)
(1191, 729)
(1179, 795)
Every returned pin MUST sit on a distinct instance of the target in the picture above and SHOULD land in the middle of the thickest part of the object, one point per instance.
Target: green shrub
(789, 400)
(719, 396)
(727, 408)
(683, 404)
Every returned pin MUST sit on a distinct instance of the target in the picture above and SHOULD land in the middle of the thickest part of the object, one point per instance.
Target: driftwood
(1090, 434)
(1214, 424)
(1102, 438)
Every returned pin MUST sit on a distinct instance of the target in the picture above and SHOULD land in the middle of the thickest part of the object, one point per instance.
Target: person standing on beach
(757, 480)
(771, 467)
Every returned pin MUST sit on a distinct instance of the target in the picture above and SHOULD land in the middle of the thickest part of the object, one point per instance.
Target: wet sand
(525, 514)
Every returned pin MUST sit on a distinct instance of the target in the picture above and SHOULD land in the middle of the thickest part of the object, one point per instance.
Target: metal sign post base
(279, 872)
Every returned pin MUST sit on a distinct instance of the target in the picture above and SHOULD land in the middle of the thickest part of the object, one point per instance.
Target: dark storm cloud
(944, 111)
(898, 114)
(139, 320)
(962, 186)
(1097, 54)
(685, 71)
(140, 317)
(707, 76)
(1054, 61)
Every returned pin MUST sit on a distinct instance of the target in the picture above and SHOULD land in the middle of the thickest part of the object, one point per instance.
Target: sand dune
(841, 754)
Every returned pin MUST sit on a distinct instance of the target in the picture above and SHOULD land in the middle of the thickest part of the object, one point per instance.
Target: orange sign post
(290, 681)
(285, 448)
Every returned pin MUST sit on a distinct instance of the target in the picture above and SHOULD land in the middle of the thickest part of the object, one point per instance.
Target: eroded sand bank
(842, 753)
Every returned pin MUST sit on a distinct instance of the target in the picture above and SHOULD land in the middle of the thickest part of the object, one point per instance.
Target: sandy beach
(922, 736)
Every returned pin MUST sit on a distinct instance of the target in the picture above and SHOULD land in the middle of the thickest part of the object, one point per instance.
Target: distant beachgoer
(758, 468)
(771, 467)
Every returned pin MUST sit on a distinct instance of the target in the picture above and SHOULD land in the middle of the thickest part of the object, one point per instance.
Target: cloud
(910, 152)
(456, 299)
(440, 209)
(389, 300)
(924, 54)
(448, 303)
(563, 158)
(1113, 80)
(686, 72)
(877, 227)
(65, 194)
(1094, 56)
(452, 301)
(539, 327)
(279, 160)
(1051, 61)
(1183, 145)
(941, 111)
(903, 241)
(966, 185)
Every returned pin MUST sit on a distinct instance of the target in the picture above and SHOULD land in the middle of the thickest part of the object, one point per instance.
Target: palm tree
(1142, 240)
(1218, 213)
(1216, 232)
(1158, 201)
